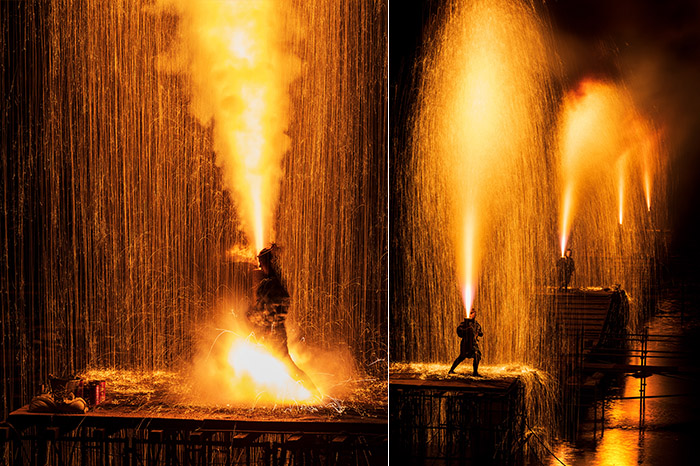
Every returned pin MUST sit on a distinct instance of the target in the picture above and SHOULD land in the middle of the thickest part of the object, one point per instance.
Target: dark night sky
(656, 44)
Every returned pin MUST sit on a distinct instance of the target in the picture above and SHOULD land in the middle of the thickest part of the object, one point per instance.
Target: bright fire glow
(240, 74)
(476, 109)
(467, 298)
(601, 128)
(566, 218)
(584, 135)
(647, 189)
(594, 131)
(235, 366)
(648, 154)
(469, 278)
(477, 142)
(263, 375)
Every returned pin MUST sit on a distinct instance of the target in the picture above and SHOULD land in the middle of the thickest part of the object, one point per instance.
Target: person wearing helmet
(565, 269)
(469, 331)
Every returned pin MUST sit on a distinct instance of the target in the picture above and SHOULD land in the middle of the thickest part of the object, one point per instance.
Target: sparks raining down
(240, 75)
(592, 135)
(601, 130)
(160, 127)
(500, 172)
(588, 140)
(475, 174)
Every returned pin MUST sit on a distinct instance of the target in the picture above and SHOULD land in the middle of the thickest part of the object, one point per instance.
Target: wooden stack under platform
(462, 420)
(597, 316)
(590, 321)
(132, 437)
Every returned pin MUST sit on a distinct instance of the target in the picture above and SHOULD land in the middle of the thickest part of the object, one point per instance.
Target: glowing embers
(263, 376)
(438, 371)
(187, 393)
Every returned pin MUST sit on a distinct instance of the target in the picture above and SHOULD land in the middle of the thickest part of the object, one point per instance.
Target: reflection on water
(670, 424)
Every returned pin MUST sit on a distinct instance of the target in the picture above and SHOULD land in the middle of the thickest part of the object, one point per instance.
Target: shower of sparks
(142, 213)
(593, 134)
(601, 130)
(503, 172)
(479, 111)
(476, 144)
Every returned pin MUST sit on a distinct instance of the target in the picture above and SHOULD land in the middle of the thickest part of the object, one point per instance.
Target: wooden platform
(580, 310)
(440, 419)
(94, 438)
(477, 385)
(113, 420)
(593, 314)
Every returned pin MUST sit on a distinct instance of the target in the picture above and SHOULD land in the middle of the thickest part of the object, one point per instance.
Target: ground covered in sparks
(437, 371)
(162, 393)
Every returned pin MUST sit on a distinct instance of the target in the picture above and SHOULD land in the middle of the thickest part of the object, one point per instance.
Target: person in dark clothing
(470, 331)
(565, 269)
(269, 314)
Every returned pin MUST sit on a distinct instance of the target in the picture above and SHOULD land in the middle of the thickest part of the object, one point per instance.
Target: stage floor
(493, 379)
(160, 400)
(121, 418)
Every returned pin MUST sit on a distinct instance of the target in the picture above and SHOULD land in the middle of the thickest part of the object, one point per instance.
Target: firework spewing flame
(240, 75)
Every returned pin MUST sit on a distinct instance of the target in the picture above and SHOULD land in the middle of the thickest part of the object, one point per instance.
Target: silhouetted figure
(269, 314)
(565, 269)
(469, 331)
